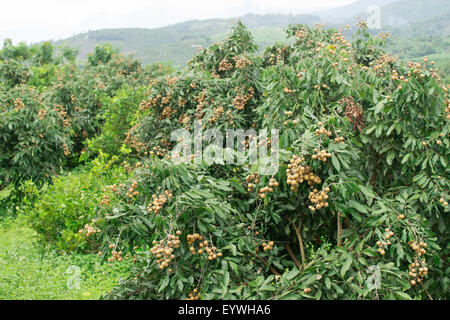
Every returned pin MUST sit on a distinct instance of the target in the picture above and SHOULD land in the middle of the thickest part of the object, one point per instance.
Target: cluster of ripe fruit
(194, 295)
(240, 101)
(444, 203)
(241, 62)
(417, 272)
(263, 191)
(116, 255)
(251, 181)
(159, 202)
(296, 173)
(383, 244)
(105, 200)
(319, 199)
(268, 246)
(89, 230)
(203, 246)
(132, 191)
(160, 152)
(419, 248)
(322, 130)
(224, 65)
(321, 155)
(163, 250)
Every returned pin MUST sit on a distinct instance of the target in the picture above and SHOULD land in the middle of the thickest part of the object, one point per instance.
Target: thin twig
(339, 230)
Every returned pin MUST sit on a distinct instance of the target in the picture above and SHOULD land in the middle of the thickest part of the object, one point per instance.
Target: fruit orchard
(358, 208)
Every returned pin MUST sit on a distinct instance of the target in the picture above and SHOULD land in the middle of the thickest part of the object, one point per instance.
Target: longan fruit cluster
(447, 111)
(203, 246)
(251, 181)
(296, 173)
(224, 65)
(268, 246)
(417, 272)
(172, 80)
(159, 202)
(89, 230)
(241, 63)
(321, 155)
(166, 99)
(386, 242)
(62, 115)
(267, 141)
(66, 150)
(19, 105)
(307, 290)
(419, 248)
(322, 131)
(319, 199)
(160, 152)
(287, 90)
(194, 295)
(105, 200)
(263, 191)
(218, 113)
(167, 112)
(338, 139)
(163, 250)
(148, 104)
(444, 203)
(132, 192)
(239, 102)
(116, 255)
(41, 114)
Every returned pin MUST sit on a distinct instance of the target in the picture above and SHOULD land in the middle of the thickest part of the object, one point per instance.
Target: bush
(117, 115)
(64, 210)
(34, 137)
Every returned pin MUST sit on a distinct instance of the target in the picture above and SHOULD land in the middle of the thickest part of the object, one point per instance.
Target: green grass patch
(30, 271)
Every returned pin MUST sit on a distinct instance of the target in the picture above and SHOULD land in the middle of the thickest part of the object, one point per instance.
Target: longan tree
(358, 208)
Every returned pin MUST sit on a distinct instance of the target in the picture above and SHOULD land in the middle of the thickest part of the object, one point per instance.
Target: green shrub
(117, 115)
(70, 204)
(34, 137)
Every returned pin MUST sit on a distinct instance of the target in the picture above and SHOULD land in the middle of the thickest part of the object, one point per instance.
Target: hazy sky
(36, 20)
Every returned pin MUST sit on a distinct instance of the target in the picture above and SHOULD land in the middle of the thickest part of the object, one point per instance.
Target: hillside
(177, 43)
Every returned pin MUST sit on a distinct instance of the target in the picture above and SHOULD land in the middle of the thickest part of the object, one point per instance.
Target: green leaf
(336, 163)
(346, 266)
(403, 295)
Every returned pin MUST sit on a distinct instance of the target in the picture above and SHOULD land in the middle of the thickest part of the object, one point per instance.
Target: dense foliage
(361, 191)
(357, 209)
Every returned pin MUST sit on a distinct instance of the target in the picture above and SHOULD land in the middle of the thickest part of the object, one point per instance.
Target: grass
(29, 271)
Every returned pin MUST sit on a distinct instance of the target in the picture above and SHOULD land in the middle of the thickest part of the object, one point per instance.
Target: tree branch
(291, 253)
(299, 237)
(339, 230)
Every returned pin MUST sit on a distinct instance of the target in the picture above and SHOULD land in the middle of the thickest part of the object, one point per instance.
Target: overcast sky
(37, 20)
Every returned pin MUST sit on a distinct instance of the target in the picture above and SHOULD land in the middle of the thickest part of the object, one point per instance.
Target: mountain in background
(411, 21)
